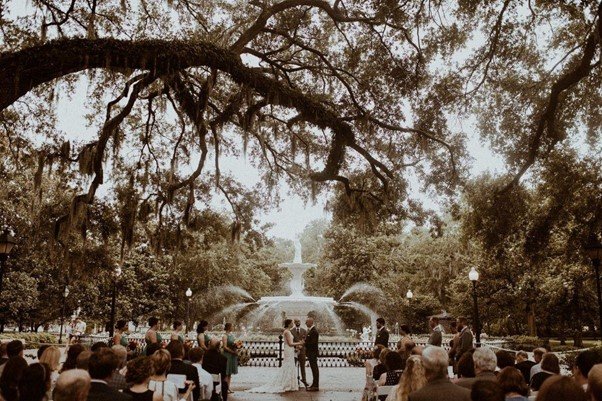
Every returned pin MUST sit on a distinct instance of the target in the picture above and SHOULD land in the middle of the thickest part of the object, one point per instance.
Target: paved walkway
(336, 384)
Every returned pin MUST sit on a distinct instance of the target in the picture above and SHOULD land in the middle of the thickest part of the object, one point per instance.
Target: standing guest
(550, 366)
(504, 359)
(13, 348)
(372, 362)
(380, 367)
(453, 343)
(524, 364)
(299, 335)
(438, 387)
(83, 360)
(72, 385)
(178, 367)
(121, 329)
(513, 383)
(205, 379)
(594, 382)
(560, 388)
(118, 381)
(72, 353)
(464, 338)
(538, 354)
(382, 334)
(230, 352)
(216, 364)
(394, 365)
(583, 364)
(161, 360)
(202, 336)
(436, 337)
(412, 379)
(465, 367)
(484, 367)
(52, 357)
(152, 336)
(138, 374)
(35, 382)
(176, 334)
(101, 366)
(11, 375)
(485, 390)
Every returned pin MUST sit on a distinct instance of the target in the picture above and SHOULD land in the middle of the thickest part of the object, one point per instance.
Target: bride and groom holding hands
(299, 345)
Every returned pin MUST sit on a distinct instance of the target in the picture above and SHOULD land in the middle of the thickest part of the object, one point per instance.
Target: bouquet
(238, 344)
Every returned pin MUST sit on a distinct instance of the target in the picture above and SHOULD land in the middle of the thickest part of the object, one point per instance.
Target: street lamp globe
(188, 292)
(409, 294)
(473, 275)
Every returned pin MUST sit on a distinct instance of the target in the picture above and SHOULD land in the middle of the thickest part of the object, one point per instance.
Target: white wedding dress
(286, 379)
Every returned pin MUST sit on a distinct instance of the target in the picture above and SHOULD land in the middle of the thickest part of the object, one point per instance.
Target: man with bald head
(311, 351)
(72, 385)
(215, 363)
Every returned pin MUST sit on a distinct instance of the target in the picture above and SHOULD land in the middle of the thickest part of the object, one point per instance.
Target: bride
(286, 379)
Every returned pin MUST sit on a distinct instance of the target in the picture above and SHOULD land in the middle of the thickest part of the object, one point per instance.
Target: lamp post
(594, 251)
(114, 296)
(7, 242)
(189, 296)
(65, 295)
(473, 276)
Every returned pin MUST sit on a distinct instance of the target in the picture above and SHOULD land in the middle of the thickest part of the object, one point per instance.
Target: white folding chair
(384, 390)
(217, 378)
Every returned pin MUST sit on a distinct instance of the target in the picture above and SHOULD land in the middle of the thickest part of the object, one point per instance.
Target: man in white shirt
(205, 379)
(582, 366)
(537, 356)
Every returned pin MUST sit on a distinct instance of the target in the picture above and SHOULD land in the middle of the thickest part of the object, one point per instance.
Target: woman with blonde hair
(52, 357)
(413, 378)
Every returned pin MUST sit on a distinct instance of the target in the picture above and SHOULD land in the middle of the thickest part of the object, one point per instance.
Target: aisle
(336, 384)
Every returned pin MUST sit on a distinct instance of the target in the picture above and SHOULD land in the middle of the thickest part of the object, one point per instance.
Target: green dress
(124, 341)
(159, 338)
(232, 367)
(206, 338)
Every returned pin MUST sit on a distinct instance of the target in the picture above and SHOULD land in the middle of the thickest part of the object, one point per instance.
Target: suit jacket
(465, 342)
(178, 367)
(440, 390)
(436, 337)
(525, 369)
(102, 392)
(382, 337)
(311, 342)
(215, 363)
(467, 382)
(301, 335)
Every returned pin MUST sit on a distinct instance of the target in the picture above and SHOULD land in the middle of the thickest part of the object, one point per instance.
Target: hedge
(32, 340)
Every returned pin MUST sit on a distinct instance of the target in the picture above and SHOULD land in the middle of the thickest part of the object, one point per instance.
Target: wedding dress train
(286, 378)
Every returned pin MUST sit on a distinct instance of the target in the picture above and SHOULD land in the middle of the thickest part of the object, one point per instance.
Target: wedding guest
(101, 366)
(230, 353)
(380, 367)
(178, 367)
(216, 364)
(98, 345)
(436, 337)
(372, 362)
(538, 354)
(13, 348)
(524, 364)
(412, 379)
(72, 385)
(453, 343)
(464, 338)
(152, 336)
(594, 382)
(41, 350)
(504, 359)
(118, 380)
(161, 360)
(52, 357)
(11, 375)
(139, 372)
(121, 329)
(583, 364)
(152, 348)
(550, 366)
(205, 378)
(83, 359)
(394, 365)
(513, 383)
(202, 336)
(404, 333)
(438, 387)
(560, 388)
(34, 384)
(484, 366)
(465, 367)
(72, 353)
(382, 335)
(485, 390)
(176, 334)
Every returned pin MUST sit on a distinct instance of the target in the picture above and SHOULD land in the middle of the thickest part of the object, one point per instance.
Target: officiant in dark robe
(311, 351)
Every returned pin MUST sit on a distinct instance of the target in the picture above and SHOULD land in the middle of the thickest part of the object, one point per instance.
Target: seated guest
(438, 387)
(13, 348)
(394, 365)
(380, 367)
(83, 359)
(11, 375)
(152, 348)
(486, 390)
(118, 381)
(41, 350)
(35, 382)
(417, 350)
(205, 379)
(98, 345)
(550, 366)
(159, 384)
(178, 367)
(484, 366)
(538, 354)
(215, 363)
(513, 383)
(524, 365)
(72, 354)
(412, 379)
(372, 362)
(465, 365)
(583, 364)
(404, 333)
(51, 356)
(560, 388)
(101, 366)
(594, 382)
(504, 359)
(72, 385)
(139, 372)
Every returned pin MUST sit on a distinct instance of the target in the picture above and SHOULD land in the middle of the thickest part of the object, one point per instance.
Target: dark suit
(178, 367)
(215, 363)
(440, 390)
(298, 335)
(467, 382)
(382, 338)
(525, 369)
(102, 392)
(464, 343)
(311, 350)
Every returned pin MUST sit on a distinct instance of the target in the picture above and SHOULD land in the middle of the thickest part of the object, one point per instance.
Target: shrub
(31, 340)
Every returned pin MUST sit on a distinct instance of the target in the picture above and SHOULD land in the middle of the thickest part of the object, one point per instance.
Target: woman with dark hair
(202, 337)
(465, 365)
(72, 354)
(231, 353)
(152, 336)
(513, 383)
(394, 365)
(560, 388)
(35, 382)
(550, 366)
(121, 328)
(176, 334)
(11, 376)
(139, 372)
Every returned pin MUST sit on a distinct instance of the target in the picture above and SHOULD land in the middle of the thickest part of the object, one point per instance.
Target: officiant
(299, 334)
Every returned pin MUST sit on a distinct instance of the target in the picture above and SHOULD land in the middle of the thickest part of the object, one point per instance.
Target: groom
(311, 351)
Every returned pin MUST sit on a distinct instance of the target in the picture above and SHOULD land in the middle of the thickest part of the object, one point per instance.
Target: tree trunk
(531, 320)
